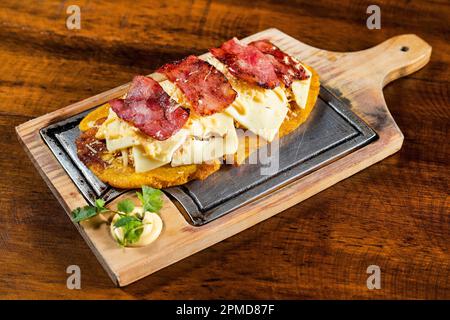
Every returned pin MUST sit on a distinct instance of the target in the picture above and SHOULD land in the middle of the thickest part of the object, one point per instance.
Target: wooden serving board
(357, 77)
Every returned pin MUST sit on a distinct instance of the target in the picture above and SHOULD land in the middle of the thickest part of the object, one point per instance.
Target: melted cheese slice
(118, 134)
(142, 162)
(163, 150)
(204, 139)
(148, 153)
(300, 89)
(173, 91)
(210, 138)
(262, 111)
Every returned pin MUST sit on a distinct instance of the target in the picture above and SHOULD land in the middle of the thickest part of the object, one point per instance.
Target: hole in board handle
(404, 49)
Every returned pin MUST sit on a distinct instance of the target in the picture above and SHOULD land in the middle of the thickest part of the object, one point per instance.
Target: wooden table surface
(394, 214)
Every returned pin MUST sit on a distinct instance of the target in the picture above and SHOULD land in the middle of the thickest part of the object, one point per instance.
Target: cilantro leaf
(83, 213)
(125, 206)
(123, 221)
(151, 199)
(132, 229)
(87, 212)
(133, 232)
(100, 205)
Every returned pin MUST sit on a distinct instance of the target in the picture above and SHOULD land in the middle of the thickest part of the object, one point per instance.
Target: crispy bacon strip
(286, 67)
(247, 63)
(206, 88)
(150, 109)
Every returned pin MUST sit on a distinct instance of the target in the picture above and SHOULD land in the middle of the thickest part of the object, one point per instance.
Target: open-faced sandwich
(178, 124)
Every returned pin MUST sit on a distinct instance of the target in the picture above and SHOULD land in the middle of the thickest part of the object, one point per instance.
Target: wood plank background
(394, 214)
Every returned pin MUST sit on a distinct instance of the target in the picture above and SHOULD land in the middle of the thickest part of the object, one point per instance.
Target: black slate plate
(331, 132)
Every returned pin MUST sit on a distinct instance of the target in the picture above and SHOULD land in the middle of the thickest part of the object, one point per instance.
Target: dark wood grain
(394, 214)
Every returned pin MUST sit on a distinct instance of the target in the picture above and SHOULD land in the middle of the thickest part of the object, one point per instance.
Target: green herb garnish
(122, 221)
(100, 205)
(87, 212)
(151, 199)
(84, 213)
(132, 225)
(125, 206)
(132, 228)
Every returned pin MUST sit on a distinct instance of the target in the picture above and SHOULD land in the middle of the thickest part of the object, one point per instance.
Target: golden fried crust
(92, 117)
(122, 177)
(162, 177)
(296, 115)
(166, 176)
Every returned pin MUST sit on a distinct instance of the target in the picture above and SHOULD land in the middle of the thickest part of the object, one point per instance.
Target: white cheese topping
(210, 138)
(143, 163)
(148, 153)
(300, 89)
(203, 139)
(260, 110)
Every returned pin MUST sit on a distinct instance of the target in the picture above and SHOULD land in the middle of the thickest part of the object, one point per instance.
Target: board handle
(396, 57)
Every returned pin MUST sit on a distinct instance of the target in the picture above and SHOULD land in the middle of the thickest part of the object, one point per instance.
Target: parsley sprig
(151, 199)
(132, 225)
(87, 212)
(132, 228)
